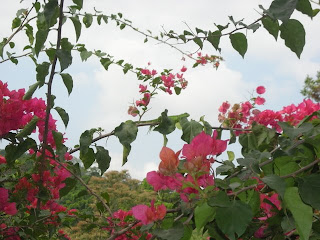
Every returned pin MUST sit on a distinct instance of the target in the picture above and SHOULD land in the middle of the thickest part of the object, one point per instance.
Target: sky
(101, 98)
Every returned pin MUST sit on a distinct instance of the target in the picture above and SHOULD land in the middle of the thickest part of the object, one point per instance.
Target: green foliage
(127, 133)
(301, 212)
(293, 33)
(239, 43)
(311, 88)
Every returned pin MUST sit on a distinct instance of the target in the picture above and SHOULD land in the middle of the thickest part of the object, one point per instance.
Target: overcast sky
(101, 98)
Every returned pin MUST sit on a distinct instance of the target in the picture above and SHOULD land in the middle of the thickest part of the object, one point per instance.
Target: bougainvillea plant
(270, 192)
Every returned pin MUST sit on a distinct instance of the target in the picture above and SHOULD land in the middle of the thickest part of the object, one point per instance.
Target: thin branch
(116, 234)
(301, 169)
(24, 22)
(283, 177)
(149, 123)
(86, 186)
(188, 219)
(15, 57)
(52, 73)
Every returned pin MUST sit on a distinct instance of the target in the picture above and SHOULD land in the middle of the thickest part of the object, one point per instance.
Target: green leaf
(51, 52)
(13, 152)
(85, 55)
(79, 3)
(64, 54)
(51, 12)
(105, 196)
(214, 39)
(106, 62)
(254, 201)
(230, 155)
(301, 212)
(103, 159)
(174, 233)
(27, 130)
(294, 132)
(198, 41)
(37, 6)
(70, 184)
(276, 183)
(77, 26)
(282, 9)
(15, 23)
(87, 20)
(221, 200)
(127, 133)
(68, 82)
(234, 219)
(29, 33)
(304, 6)
(272, 26)
(293, 33)
(85, 140)
(42, 71)
(58, 139)
(166, 125)
(203, 214)
(87, 158)
(63, 114)
(31, 90)
(41, 37)
(239, 43)
(190, 129)
(309, 189)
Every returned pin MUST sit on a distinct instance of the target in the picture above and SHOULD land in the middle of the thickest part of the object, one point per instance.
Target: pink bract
(149, 214)
(261, 90)
(260, 101)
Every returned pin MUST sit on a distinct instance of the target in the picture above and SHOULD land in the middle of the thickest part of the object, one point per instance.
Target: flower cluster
(166, 81)
(244, 114)
(147, 214)
(205, 59)
(120, 220)
(15, 112)
(196, 172)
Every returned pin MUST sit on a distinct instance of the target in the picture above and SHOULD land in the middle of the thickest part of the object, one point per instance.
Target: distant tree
(124, 193)
(311, 87)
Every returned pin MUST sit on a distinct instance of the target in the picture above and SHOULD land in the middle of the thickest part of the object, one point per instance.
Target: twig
(116, 234)
(23, 55)
(86, 186)
(188, 219)
(301, 169)
(149, 123)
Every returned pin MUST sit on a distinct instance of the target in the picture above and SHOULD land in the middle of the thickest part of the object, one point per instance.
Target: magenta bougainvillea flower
(261, 90)
(149, 214)
(260, 101)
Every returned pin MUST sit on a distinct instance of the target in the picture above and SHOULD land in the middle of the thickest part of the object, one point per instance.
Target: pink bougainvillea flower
(224, 107)
(157, 180)
(169, 161)
(133, 111)
(261, 90)
(149, 214)
(183, 69)
(201, 145)
(145, 72)
(143, 88)
(260, 101)
(153, 72)
(204, 145)
(2, 160)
